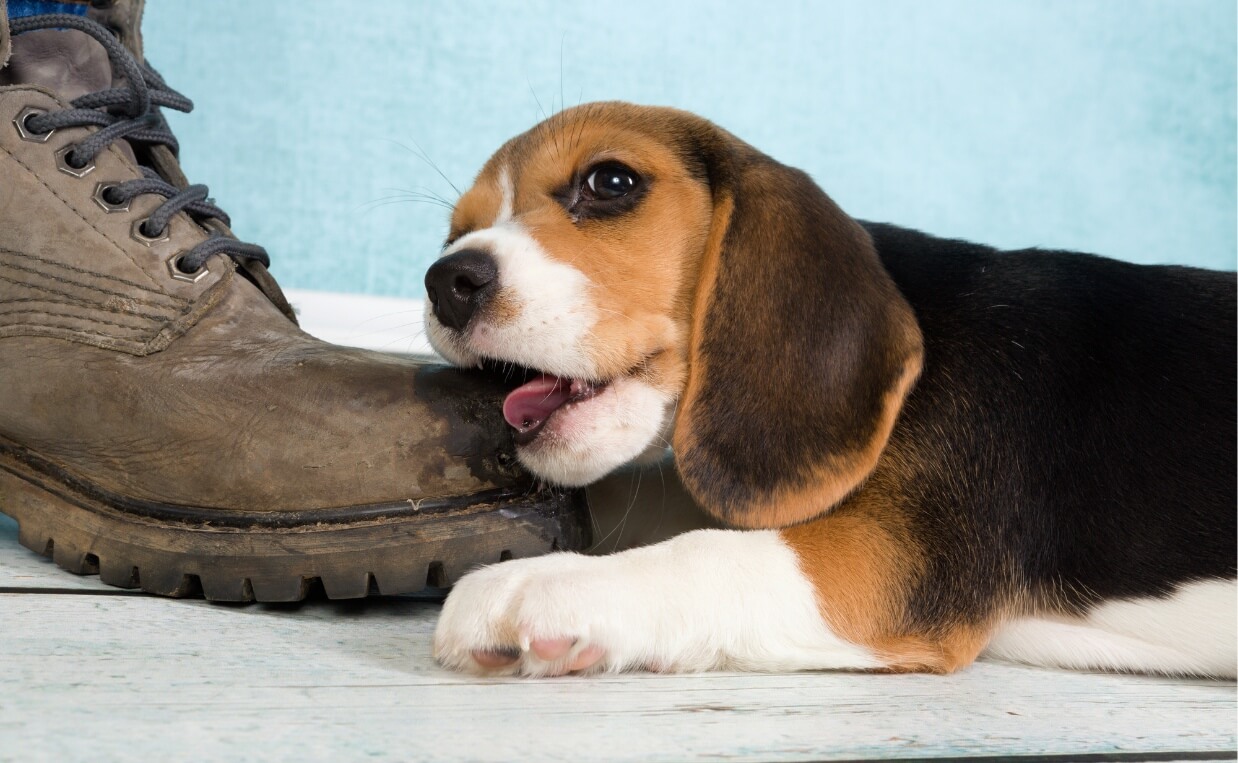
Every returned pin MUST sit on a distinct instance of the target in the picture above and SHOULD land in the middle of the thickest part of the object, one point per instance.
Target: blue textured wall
(1096, 125)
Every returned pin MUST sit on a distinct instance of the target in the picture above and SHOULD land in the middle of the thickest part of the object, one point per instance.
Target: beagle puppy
(931, 450)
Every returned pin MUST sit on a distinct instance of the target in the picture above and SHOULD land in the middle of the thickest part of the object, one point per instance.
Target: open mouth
(539, 395)
(528, 407)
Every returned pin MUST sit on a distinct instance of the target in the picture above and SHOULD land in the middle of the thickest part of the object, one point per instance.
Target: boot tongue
(528, 406)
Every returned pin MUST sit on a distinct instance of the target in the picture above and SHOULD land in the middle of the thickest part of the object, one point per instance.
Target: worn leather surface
(204, 393)
(246, 412)
(71, 270)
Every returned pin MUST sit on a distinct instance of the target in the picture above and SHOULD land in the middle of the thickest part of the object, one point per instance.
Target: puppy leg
(1190, 632)
(864, 566)
(706, 600)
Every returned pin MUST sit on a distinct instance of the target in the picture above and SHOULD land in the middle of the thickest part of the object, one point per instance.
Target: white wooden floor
(93, 673)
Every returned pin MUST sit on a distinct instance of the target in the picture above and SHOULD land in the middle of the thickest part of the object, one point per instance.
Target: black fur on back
(1073, 430)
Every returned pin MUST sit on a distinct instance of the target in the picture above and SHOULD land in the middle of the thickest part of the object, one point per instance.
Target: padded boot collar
(62, 61)
(123, 17)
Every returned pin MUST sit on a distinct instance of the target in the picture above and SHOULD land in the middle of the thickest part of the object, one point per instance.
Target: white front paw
(704, 600)
(538, 617)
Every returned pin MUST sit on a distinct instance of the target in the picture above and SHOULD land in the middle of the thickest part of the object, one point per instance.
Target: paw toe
(586, 658)
(551, 649)
(495, 658)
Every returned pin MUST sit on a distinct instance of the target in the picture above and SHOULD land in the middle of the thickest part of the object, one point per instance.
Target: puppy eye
(611, 180)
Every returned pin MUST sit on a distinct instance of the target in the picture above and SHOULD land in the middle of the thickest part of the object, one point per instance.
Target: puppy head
(636, 260)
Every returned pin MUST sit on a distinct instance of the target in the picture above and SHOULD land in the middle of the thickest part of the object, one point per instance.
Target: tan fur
(478, 207)
(862, 560)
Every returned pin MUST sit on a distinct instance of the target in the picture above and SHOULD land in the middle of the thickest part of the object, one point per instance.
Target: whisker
(661, 504)
(420, 190)
(423, 156)
(562, 39)
(373, 207)
(376, 205)
(537, 100)
(623, 523)
(406, 197)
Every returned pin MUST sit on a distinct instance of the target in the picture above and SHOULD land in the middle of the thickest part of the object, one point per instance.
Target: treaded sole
(395, 555)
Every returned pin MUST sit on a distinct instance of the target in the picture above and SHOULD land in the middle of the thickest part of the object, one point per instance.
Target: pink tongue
(530, 404)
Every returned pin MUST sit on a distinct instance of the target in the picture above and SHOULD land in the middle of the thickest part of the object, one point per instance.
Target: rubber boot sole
(228, 556)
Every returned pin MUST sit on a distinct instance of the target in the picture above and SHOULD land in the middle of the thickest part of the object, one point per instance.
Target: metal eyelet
(62, 162)
(174, 268)
(135, 233)
(101, 199)
(25, 132)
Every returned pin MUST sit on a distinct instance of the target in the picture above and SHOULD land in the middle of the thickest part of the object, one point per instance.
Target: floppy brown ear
(802, 349)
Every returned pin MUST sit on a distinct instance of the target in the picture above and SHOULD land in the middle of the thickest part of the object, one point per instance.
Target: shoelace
(132, 112)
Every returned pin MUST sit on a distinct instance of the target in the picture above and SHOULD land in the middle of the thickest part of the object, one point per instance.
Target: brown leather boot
(163, 421)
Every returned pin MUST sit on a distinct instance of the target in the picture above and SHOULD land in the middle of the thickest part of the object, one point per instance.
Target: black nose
(460, 283)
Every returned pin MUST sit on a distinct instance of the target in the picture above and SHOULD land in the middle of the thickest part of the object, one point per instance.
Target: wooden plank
(103, 678)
